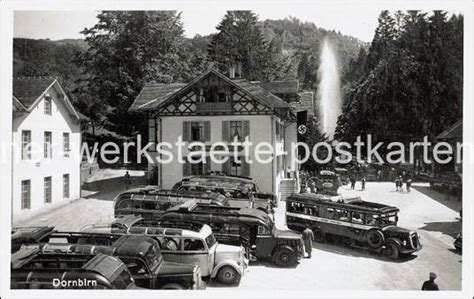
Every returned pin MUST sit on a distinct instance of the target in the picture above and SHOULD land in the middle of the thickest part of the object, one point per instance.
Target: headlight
(404, 243)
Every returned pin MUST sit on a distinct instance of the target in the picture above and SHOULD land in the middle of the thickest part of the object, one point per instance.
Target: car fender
(230, 263)
(393, 240)
(283, 247)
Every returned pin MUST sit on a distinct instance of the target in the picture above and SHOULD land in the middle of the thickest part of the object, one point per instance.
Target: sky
(68, 24)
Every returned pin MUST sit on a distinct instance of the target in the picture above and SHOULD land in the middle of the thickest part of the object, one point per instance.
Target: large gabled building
(47, 137)
(216, 108)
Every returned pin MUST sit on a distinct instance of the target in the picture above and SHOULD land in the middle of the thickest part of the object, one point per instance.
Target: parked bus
(327, 182)
(151, 201)
(354, 222)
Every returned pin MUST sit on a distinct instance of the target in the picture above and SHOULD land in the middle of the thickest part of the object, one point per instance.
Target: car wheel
(285, 257)
(172, 286)
(319, 235)
(228, 275)
(375, 238)
(391, 251)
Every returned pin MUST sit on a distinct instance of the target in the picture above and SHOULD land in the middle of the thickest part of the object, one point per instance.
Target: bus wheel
(319, 235)
(375, 238)
(391, 251)
(284, 257)
(228, 275)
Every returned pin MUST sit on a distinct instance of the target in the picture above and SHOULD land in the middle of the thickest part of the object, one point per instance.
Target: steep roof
(453, 132)
(306, 102)
(27, 91)
(281, 87)
(153, 95)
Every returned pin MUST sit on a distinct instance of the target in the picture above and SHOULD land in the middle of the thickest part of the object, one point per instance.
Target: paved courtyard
(334, 267)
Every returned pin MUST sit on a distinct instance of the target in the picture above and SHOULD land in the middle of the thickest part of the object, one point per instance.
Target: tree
(240, 40)
(127, 49)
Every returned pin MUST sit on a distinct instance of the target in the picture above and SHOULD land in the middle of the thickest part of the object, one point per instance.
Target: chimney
(232, 71)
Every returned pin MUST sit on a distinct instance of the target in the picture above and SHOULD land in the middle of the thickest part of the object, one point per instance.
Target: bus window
(388, 220)
(342, 215)
(358, 217)
(125, 204)
(263, 231)
(330, 213)
(372, 219)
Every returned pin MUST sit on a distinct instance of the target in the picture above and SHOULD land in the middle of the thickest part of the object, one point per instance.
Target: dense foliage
(409, 84)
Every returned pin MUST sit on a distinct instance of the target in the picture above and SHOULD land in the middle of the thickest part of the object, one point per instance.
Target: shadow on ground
(451, 228)
(448, 201)
(109, 188)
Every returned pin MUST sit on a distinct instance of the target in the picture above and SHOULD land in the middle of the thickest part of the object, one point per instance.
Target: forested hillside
(103, 74)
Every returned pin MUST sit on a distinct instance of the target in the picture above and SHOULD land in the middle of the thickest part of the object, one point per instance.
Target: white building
(46, 139)
(215, 108)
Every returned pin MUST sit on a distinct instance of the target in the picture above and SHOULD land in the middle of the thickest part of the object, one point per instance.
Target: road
(335, 267)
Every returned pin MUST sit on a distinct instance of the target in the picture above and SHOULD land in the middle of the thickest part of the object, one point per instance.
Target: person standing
(430, 284)
(408, 185)
(400, 183)
(128, 180)
(363, 183)
(353, 182)
(312, 185)
(308, 238)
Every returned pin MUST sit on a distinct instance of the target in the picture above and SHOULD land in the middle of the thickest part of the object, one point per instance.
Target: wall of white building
(262, 129)
(60, 121)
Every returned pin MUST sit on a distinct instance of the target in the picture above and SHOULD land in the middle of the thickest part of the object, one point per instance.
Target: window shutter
(207, 131)
(226, 167)
(206, 167)
(186, 168)
(186, 131)
(246, 126)
(226, 130)
(245, 167)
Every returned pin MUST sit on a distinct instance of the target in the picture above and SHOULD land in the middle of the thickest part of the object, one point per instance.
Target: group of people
(353, 181)
(400, 180)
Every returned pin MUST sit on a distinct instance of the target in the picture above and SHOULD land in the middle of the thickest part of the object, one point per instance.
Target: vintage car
(184, 242)
(141, 255)
(236, 188)
(31, 269)
(327, 182)
(458, 242)
(28, 235)
(353, 222)
(154, 201)
(250, 228)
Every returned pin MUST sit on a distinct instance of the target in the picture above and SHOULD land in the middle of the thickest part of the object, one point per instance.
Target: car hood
(287, 234)
(396, 229)
(170, 268)
(224, 248)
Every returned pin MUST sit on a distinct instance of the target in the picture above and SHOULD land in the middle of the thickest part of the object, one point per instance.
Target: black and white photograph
(265, 149)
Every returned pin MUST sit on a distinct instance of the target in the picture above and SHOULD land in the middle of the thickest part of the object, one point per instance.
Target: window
(193, 245)
(47, 190)
(25, 194)
(66, 186)
(47, 144)
(330, 213)
(197, 131)
(342, 215)
(25, 145)
(358, 217)
(214, 95)
(263, 231)
(197, 168)
(236, 130)
(235, 166)
(66, 147)
(47, 105)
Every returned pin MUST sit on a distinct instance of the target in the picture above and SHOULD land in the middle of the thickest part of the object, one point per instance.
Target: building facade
(215, 109)
(46, 140)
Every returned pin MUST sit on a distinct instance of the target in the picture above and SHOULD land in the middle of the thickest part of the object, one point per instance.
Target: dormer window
(47, 104)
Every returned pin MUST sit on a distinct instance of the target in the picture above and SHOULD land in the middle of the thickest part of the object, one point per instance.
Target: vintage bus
(327, 182)
(352, 221)
(237, 189)
(152, 201)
